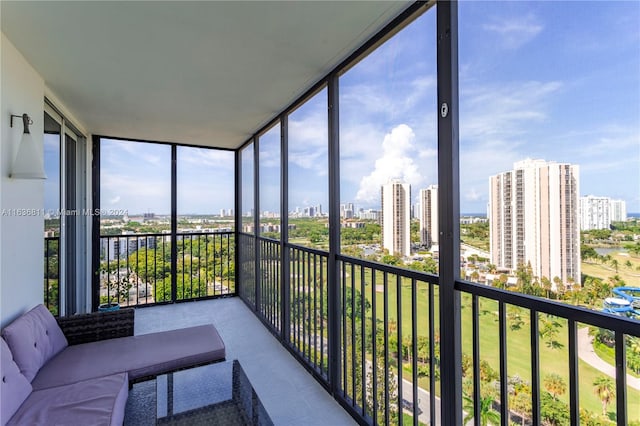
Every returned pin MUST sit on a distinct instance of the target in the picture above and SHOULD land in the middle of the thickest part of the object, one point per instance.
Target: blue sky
(553, 80)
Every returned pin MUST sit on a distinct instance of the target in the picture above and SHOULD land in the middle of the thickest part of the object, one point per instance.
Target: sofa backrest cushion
(15, 388)
(34, 338)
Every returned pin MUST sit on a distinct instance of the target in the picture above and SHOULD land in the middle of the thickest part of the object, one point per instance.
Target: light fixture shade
(28, 164)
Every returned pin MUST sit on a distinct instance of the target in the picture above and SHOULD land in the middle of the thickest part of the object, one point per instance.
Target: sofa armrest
(86, 328)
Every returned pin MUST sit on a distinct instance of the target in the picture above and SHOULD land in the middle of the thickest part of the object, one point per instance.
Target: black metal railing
(270, 301)
(388, 366)
(52, 274)
(308, 307)
(549, 325)
(137, 269)
(247, 268)
(389, 343)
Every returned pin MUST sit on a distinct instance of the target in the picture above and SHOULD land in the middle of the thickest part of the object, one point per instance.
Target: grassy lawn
(630, 275)
(552, 360)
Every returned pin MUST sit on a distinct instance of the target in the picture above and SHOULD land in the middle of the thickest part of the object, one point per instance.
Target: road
(588, 355)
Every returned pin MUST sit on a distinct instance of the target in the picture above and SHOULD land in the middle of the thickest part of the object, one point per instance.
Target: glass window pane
(52, 212)
(549, 144)
(247, 210)
(388, 151)
(308, 173)
(205, 189)
(135, 222)
(270, 183)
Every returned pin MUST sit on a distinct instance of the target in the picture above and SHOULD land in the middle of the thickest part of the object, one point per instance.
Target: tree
(587, 252)
(385, 384)
(614, 262)
(549, 331)
(604, 389)
(553, 411)
(487, 415)
(554, 384)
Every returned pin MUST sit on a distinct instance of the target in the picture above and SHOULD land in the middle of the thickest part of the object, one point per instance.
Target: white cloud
(115, 200)
(397, 161)
(515, 31)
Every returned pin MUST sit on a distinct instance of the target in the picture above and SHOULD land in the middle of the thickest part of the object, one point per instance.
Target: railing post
(95, 224)
(238, 223)
(174, 224)
(285, 275)
(257, 268)
(449, 212)
(334, 235)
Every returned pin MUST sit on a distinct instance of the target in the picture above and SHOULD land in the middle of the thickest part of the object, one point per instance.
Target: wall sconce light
(28, 164)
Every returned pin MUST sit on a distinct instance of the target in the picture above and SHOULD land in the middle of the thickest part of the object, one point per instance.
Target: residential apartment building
(618, 211)
(396, 217)
(534, 219)
(599, 212)
(429, 216)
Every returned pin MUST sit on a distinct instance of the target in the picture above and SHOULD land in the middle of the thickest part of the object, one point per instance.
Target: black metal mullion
(414, 348)
(504, 382)
(320, 315)
(174, 226)
(399, 334)
(353, 334)
(621, 380)
(256, 223)
(449, 212)
(237, 205)
(363, 324)
(535, 367)
(385, 284)
(334, 303)
(95, 224)
(46, 258)
(374, 349)
(432, 355)
(476, 359)
(137, 259)
(315, 311)
(306, 290)
(574, 401)
(190, 264)
(344, 327)
(213, 269)
(285, 305)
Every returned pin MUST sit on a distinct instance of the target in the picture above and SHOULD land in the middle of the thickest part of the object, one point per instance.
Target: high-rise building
(396, 211)
(618, 211)
(599, 212)
(534, 219)
(595, 212)
(429, 216)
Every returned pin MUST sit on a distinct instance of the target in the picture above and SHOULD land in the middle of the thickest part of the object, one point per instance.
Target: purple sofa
(77, 370)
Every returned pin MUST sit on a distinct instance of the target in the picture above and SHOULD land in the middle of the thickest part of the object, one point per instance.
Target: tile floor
(288, 392)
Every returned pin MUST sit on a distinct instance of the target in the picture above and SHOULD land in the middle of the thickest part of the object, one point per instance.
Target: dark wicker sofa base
(105, 326)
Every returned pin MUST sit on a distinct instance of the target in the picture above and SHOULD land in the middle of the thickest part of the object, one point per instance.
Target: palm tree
(604, 388)
(486, 413)
(615, 264)
(554, 384)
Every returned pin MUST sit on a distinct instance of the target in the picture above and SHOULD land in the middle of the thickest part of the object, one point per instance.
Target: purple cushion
(34, 338)
(140, 356)
(98, 401)
(15, 387)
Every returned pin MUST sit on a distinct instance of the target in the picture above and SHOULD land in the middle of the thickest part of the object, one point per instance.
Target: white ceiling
(202, 73)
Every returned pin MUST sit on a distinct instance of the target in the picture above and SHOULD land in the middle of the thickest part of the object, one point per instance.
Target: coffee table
(213, 394)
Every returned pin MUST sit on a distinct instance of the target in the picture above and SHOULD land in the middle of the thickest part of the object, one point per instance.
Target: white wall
(21, 237)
